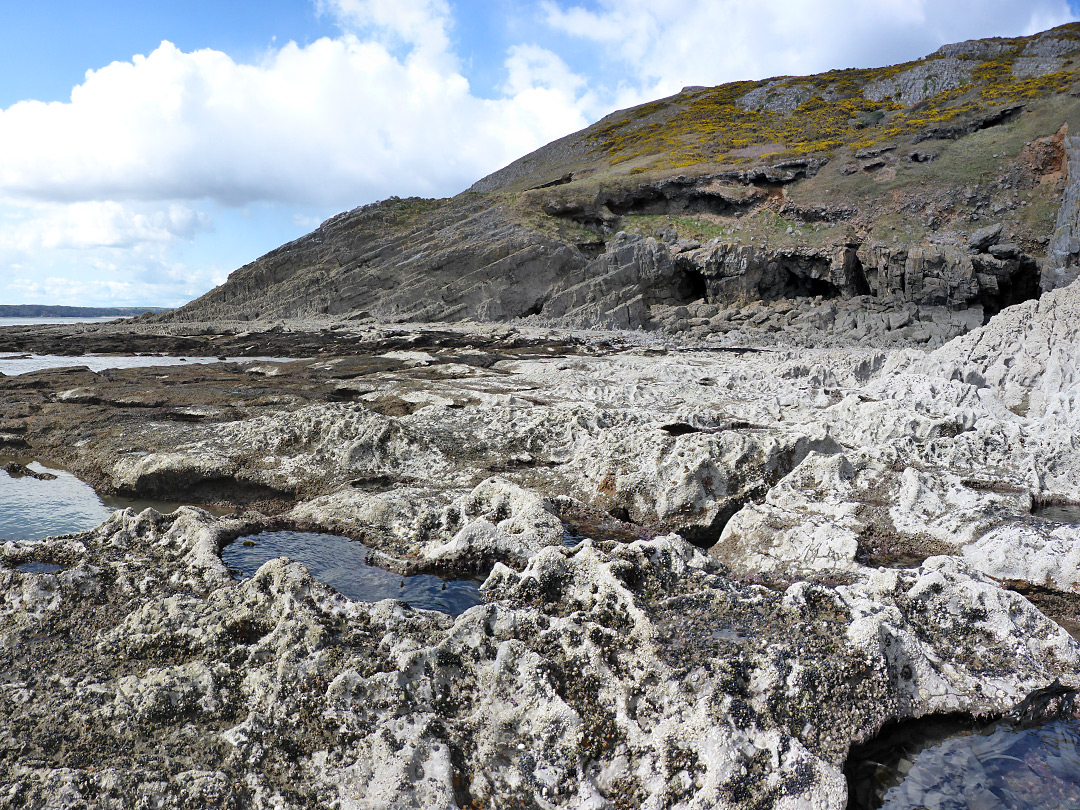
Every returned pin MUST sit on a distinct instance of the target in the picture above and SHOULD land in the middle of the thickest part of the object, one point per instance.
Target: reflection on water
(15, 364)
(44, 321)
(1059, 513)
(39, 568)
(32, 509)
(940, 764)
(1009, 768)
(342, 564)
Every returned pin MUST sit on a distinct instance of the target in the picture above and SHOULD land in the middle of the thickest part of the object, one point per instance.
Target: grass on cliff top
(763, 225)
(391, 214)
(710, 126)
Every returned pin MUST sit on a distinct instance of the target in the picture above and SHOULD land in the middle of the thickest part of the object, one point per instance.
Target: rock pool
(342, 564)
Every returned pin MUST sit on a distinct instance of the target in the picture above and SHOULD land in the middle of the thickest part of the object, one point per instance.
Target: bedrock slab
(612, 674)
(946, 452)
(872, 545)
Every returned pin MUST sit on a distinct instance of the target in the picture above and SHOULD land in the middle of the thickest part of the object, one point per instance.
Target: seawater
(47, 321)
(1005, 767)
(999, 767)
(31, 509)
(342, 564)
(12, 364)
(1059, 513)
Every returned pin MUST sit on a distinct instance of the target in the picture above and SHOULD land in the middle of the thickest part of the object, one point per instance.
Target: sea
(13, 364)
(44, 321)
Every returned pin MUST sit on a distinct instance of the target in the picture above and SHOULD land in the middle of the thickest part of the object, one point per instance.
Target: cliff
(917, 190)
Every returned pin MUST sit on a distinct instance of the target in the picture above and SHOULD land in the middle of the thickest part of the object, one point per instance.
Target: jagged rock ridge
(935, 186)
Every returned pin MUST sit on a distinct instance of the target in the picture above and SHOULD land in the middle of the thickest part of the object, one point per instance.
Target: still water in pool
(32, 509)
(1059, 513)
(1002, 767)
(13, 364)
(342, 564)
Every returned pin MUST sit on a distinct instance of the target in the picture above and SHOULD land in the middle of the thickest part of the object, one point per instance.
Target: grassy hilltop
(882, 160)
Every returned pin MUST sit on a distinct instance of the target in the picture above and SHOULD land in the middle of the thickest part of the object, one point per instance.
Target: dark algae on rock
(679, 465)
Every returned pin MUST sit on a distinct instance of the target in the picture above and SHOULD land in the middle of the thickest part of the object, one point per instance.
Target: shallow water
(1059, 513)
(13, 364)
(32, 510)
(20, 321)
(342, 564)
(39, 568)
(1001, 767)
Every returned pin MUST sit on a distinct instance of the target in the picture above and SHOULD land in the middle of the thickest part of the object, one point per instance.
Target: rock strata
(753, 460)
(853, 184)
(1063, 257)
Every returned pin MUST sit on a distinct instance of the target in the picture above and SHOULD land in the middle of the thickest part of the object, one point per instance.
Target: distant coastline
(45, 311)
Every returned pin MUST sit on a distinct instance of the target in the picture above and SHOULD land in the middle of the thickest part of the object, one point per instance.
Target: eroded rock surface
(768, 458)
(872, 556)
(612, 674)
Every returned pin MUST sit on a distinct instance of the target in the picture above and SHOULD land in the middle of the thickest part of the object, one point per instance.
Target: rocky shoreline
(760, 449)
(788, 549)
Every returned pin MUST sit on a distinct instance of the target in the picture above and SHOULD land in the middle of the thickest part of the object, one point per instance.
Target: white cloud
(307, 222)
(423, 25)
(104, 189)
(100, 252)
(106, 290)
(655, 47)
(116, 192)
(1050, 16)
(106, 223)
(334, 123)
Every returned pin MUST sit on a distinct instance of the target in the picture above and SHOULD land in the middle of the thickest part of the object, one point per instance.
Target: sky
(147, 149)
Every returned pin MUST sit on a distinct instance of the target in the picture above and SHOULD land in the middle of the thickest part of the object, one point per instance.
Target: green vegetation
(526, 210)
(762, 224)
(700, 228)
(711, 126)
(403, 211)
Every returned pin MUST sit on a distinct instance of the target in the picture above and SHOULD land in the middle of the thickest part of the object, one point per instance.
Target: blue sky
(148, 149)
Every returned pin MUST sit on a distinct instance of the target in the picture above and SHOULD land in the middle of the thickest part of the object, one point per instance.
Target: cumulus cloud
(349, 119)
(655, 47)
(107, 223)
(332, 123)
(169, 285)
(100, 251)
(423, 25)
(147, 151)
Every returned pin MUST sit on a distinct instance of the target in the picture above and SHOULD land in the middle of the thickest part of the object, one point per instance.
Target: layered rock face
(1064, 254)
(932, 185)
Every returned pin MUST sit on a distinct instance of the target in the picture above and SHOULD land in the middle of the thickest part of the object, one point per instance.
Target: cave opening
(857, 274)
(643, 200)
(1024, 285)
(670, 202)
(591, 250)
(799, 286)
(690, 285)
(535, 309)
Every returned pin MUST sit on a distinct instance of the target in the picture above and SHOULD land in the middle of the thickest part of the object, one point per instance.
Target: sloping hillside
(927, 188)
